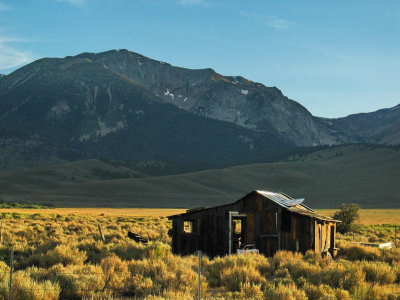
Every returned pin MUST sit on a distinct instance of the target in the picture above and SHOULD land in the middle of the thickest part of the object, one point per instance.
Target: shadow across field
(366, 175)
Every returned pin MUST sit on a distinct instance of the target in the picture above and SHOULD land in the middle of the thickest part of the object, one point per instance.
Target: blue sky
(333, 57)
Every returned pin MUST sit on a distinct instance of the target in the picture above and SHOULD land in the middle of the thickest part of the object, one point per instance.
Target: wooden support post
(101, 233)
(395, 236)
(199, 276)
(11, 274)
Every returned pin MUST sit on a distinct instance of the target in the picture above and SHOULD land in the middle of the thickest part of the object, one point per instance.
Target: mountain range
(124, 106)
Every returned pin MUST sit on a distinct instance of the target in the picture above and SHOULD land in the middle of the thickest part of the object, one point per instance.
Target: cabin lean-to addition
(269, 221)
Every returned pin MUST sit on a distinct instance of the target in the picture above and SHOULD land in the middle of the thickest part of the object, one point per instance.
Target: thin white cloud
(278, 23)
(11, 57)
(271, 21)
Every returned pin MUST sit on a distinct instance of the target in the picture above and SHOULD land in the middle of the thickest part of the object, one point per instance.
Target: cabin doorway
(237, 231)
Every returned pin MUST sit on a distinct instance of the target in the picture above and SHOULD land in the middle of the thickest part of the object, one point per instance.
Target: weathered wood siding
(265, 224)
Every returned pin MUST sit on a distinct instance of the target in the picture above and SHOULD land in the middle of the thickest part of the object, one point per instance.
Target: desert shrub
(313, 257)
(396, 269)
(232, 278)
(115, 272)
(24, 287)
(317, 292)
(129, 250)
(140, 286)
(379, 272)
(358, 252)
(157, 250)
(367, 291)
(282, 257)
(251, 291)
(152, 297)
(95, 250)
(284, 292)
(339, 276)
(342, 294)
(4, 269)
(77, 282)
(391, 255)
(61, 254)
(303, 269)
(16, 215)
(230, 271)
(156, 276)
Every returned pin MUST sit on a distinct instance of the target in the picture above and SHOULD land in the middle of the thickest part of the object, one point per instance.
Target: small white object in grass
(167, 93)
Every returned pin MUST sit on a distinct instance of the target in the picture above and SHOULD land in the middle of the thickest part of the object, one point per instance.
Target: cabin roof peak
(293, 205)
(282, 199)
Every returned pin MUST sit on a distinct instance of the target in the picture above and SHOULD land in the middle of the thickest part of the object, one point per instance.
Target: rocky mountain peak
(227, 98)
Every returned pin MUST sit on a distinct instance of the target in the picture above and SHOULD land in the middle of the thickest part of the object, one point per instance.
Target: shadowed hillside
(367, 175)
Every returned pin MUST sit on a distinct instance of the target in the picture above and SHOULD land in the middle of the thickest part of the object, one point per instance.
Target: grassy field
(367, 216)
(365, 175)
(59, 254)
(132, 212)
(372, 216)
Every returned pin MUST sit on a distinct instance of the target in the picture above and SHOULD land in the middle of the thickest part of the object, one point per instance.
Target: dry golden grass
(372, 216)
(367, 216)
(134, 212)
(60, 254)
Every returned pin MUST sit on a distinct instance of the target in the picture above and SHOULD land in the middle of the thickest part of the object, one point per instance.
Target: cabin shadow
(261, 221)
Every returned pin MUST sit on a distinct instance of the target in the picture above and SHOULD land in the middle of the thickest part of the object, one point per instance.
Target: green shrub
(156, 276)
(283, 257)
(347, 214)
(284, 292)
(78, 281)
(129, 250)
(115, 272)
(24, 287)
(61, 254)
(358, 252)
(378, 272)
(230, 271)
(232, 278)
(251, 291)
(318, 292)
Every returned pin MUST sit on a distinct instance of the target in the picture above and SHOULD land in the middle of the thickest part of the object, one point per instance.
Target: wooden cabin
(269, 221)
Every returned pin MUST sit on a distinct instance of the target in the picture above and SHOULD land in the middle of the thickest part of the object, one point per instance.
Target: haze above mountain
(122, 105)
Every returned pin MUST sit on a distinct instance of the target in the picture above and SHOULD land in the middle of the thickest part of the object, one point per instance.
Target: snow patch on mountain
(168, 93)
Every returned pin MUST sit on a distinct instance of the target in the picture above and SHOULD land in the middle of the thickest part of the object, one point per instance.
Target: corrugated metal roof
(293, 205)
(302, 211)
(281, 198)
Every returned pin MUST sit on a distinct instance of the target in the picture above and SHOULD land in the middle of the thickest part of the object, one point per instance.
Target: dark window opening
(189, 226)
(286, 224)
